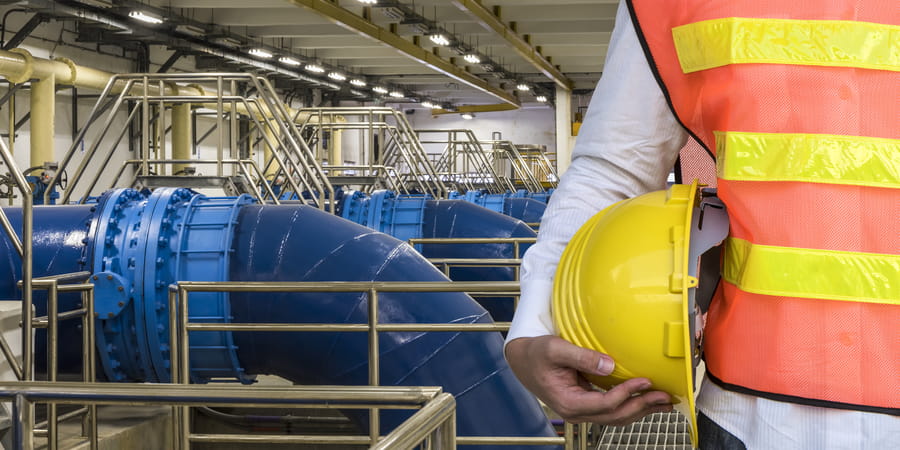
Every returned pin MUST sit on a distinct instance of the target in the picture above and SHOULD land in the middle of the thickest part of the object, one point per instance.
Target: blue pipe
(523, 205)
(405, 217)
(191, 237)
(461, 219)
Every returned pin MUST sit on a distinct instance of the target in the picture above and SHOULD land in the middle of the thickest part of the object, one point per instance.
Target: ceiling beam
(353, 22)
(474, 109)
(492, 22)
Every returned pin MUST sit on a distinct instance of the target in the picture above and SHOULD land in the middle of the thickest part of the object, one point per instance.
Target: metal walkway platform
(661, 431)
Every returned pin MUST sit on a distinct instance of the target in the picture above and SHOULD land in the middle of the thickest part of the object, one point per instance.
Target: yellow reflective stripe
(816, 158)
(810, 273)
(836, 43)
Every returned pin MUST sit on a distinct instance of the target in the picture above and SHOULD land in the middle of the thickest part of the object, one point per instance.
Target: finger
(633, 409)
(623, 400)
(584, 360)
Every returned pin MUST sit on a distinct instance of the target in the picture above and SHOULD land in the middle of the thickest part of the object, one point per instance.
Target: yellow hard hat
(626, 286)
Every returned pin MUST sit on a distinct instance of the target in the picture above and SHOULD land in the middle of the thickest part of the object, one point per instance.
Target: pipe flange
(164, 215)
(29, 66)
(117, 223)
(73, 70)
(202, 92)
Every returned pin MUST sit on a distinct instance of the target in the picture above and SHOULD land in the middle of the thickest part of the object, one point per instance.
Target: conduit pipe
(136, 246)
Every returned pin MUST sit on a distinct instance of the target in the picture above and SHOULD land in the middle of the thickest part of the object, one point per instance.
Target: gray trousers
(714, 437)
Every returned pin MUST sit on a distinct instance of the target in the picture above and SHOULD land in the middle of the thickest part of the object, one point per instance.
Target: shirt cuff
(533, 316)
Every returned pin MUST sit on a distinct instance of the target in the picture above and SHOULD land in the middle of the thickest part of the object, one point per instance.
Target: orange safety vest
(799, 101)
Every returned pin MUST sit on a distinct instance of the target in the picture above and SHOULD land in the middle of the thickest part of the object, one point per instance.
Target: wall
(528, 125)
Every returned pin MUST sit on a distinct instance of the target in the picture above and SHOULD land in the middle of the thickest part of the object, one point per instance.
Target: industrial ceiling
(499, 53)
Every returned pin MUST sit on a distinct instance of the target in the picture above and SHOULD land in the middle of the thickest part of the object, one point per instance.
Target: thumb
(582, 359)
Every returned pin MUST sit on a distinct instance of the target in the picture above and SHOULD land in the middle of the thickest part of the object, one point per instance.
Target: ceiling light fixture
(358, 82)
(368, 2)
(289, 61)
(428, 104)
(467, 116)
(542, 98)
(472, 58)
(260, 53)
(379, 90)
(523, 87)
(439, 39)
(397, 94)
(146, 17)
(337, 76)
(314, 68)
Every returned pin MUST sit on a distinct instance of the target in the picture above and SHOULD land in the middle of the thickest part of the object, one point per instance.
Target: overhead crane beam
(361, 25)
(492, 22)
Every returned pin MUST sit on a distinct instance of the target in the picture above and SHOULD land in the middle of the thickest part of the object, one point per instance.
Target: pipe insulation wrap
(252, 242)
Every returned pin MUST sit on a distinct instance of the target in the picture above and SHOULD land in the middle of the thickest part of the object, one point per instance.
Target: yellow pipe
(336, 152)
(43, 111)
(181, 135)
(270, 136)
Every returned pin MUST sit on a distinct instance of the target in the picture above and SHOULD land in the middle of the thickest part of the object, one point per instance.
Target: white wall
(528, 125)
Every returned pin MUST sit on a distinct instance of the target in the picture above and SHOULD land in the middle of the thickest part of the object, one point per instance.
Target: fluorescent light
(397, 94)
(260, 53)
(145, 17)
(368, 2)
(439, 39)
(380, 90)
(467, 116)
(472, 58)
(358, 82)
(523, 87)
(289, 61)
(542, 98)
(337, 76)
(428, 104)
(315, 68)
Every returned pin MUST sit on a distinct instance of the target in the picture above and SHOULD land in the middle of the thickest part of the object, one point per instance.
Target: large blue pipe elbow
(462, 219)
(268, 243)
(527, 210)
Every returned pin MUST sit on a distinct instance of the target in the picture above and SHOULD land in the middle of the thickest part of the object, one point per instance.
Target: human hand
(549, 367)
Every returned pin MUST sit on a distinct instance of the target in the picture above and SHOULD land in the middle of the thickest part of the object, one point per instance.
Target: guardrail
(180, 328)
(432, 425)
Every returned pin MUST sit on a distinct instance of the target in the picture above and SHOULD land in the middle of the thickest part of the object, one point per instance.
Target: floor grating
(660, 431)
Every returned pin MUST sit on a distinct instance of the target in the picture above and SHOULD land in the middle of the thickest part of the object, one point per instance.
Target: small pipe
(43, 114)
(181, 135)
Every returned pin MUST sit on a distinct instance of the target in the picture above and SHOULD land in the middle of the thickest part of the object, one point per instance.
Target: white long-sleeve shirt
(626, 147)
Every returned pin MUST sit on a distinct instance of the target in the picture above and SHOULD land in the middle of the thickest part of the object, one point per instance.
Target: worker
(799, 102)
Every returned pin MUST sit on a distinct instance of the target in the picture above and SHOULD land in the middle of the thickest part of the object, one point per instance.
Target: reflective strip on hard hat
(816, 158)
(834, 43)
(812, 273)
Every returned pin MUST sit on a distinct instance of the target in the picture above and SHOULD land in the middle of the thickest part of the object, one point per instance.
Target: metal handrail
(180, 327)
(521, 171)
(152, 93)
(462, 144)
(400, 146)
(432, 424)
(54, 285)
